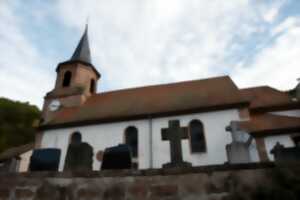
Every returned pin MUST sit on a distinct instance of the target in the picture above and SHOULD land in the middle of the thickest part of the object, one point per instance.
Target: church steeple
(76, 80)
(82, 51)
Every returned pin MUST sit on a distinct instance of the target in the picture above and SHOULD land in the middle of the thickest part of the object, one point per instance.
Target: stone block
(164, 190)
(4, 194)
(86, 193)
(114, 192)
(24, 194)
(138, 191)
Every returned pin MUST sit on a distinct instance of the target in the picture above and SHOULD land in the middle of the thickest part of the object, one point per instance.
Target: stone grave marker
(174, 133)
(79, 155)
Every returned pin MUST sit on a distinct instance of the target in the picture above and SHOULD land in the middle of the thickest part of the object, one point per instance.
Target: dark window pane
(92, 86)
(131, 139)
(67, 79)
(197, 136)
(76, 138)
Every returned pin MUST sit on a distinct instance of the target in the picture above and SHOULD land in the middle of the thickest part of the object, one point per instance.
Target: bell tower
(76, 80)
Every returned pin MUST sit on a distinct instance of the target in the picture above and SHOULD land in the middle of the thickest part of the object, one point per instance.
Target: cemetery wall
(248, 181)
(153, 152)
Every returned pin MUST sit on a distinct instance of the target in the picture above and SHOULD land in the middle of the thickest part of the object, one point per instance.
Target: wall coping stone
(146, 172)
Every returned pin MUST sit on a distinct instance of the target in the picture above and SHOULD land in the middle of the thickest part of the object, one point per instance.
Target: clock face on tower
(54, 105)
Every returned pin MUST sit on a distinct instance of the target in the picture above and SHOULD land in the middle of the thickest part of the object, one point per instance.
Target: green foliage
(16, 120)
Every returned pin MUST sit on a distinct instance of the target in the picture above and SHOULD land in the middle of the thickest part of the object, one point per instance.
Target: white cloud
(22, 75)
(137, 43)
(159, 41)
(277, 65)
(270, 12)
(286, 25)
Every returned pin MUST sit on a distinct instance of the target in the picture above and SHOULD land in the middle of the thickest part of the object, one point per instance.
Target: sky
(146, 42)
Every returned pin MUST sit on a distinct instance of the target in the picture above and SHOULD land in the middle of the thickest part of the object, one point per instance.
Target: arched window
(197, 138)
(131, 139)
(67, 79)
(92, 86)
(76, 138)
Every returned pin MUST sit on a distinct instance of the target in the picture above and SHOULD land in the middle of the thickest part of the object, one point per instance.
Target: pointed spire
(82, 51)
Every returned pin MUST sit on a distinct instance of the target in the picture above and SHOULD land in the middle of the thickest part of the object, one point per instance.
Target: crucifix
(175, 134)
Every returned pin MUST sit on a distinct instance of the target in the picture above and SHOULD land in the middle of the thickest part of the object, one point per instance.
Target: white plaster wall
(215, 134)
(24, 162)
(111, 134)
(290, 113)
(254, 157)
(100, 137)
(271, 141)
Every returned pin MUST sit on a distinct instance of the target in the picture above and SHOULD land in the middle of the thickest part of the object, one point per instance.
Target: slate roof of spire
(82, 51)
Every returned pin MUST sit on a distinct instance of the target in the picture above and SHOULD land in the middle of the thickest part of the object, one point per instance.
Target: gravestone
(118, 157)
(286, 154)
(79, 155)
(238, 150)
(175, 134)
(45, 159)
(9, 165)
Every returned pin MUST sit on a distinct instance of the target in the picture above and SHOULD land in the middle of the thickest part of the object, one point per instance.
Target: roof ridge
(163, 84)
(263, 86)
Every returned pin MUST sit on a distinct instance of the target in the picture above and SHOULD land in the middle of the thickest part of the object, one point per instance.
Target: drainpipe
(150, 142)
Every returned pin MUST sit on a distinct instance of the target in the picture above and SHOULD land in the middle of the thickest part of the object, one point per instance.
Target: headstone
(175, 134)
(117, 157)
(45, 159)
(10, 165)
(79, 155)
(99, 155)
(237, 134)
(286, 154)
(238, 150)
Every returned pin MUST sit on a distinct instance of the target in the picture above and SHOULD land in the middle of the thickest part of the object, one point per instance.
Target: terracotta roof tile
(270, 124)
(152, 100)
(16, 151)
(265, 98)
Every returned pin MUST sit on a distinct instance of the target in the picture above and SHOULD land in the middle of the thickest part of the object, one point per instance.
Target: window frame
(137, 137)
(190, 137)
(64, 82)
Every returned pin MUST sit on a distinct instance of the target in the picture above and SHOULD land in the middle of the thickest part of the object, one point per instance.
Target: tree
(16, 120)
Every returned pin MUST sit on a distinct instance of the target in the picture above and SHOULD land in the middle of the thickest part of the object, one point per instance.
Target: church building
(218, 122)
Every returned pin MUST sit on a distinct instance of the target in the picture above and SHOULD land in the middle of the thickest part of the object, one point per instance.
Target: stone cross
(238, 150)
(175, 134)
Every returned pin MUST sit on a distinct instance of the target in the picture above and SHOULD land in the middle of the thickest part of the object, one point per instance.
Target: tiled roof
(16, 151)
(82, 54)
(270, 124)
(199, 95)
(265, 98)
